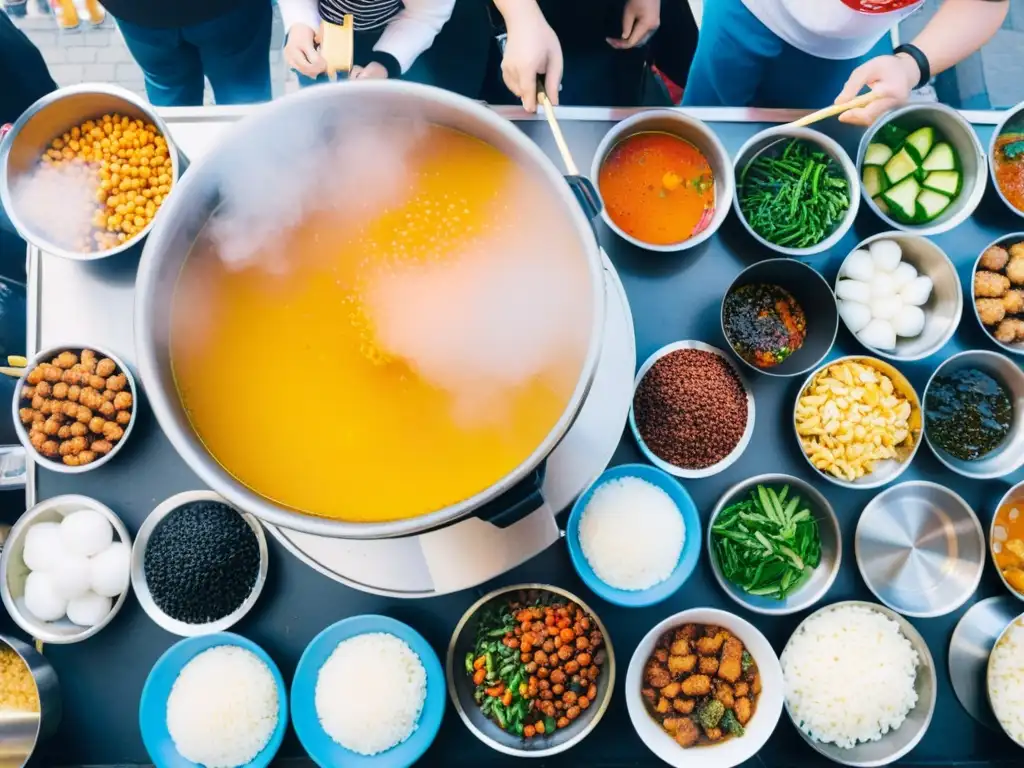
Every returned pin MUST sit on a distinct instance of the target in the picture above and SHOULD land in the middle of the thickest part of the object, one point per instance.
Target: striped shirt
(366, 14)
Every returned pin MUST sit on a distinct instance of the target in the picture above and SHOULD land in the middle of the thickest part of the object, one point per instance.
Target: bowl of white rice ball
(634, 535)
(1005, 680)
(213, 700)
(860, 683)
(367, 689)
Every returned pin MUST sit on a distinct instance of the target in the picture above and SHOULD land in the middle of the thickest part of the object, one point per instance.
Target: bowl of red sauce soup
(665, 180)
(1006, 159)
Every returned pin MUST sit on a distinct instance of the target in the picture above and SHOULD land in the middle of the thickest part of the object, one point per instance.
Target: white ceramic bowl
(741, 446)
(14, 572)
(762, 724)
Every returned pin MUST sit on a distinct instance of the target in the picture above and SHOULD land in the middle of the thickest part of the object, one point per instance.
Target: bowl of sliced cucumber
(922, 168)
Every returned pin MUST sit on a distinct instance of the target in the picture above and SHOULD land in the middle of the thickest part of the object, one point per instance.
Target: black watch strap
(920, 59)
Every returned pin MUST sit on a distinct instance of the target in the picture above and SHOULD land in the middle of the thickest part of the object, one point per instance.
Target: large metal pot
(197, 196)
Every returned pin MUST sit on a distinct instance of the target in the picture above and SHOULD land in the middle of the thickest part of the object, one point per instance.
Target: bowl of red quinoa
(692, 413)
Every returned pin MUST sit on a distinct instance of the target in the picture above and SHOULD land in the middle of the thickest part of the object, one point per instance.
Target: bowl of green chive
(796, 190)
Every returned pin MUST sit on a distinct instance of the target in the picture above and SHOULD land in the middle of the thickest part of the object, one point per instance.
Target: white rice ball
(44, 547)
(854, 314)
(71, 576)
(885, 307)
(917, 291)
(109, 570)
(42, 599)
(89, 609)
(904, 273)
(886, 254)
(854, 290)
(878, 334)
(882, 285)
(86, 532)
(859, 266)
(909, 322)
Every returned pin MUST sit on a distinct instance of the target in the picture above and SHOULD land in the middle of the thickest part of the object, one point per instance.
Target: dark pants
(232, 51)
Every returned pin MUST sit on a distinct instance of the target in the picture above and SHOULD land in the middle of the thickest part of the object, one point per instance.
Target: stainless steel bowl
(969, 648)
(920, 549)
(461, 688)
(690, 129)
(1015, 113)
(141, 587)
(21, 732)
(1016, 347)
(53, 115)
(18, 403)
(761, 141)
(14, 572)
(820, 581)
(1009, 456)
(1013, 496)
(961, 136)
(885, 471)
(1018, 626)
(894, 744)
(945, 306)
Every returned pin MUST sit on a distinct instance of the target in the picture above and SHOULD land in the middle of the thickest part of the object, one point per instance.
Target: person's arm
(531, 49)
(410, 33)
(958, 29)
(301, 22)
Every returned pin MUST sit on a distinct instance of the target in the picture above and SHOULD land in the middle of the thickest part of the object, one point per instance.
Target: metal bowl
(1009, 456)
(886, 471)
(1016, 347)
(894, 744)
(17, 403)
(14, 572)
(1013, 496)
(920, 549)
(945, 306)
(969, 648)
(672, 469)
(961, 136)
(814, 296)
(761, 141)
(145, 597)
(1018, 624)
(690, 129)
(20, 732)
(53, 115)
(460, 685)
(820, 581)
(1013, 113)
(731, 752)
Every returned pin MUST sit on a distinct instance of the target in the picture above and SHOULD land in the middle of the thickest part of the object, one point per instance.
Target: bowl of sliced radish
(922, 168)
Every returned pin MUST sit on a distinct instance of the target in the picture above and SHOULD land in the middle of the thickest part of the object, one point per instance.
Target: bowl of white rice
(214, 700)
(860, 683)
(1005, 680)
(634, 536)
(367, 689)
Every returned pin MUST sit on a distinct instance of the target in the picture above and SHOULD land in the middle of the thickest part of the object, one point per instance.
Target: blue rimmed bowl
(687, 558)
(153, 705)
(325, 751)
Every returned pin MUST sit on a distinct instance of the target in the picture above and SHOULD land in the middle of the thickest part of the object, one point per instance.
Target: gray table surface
(673, 297)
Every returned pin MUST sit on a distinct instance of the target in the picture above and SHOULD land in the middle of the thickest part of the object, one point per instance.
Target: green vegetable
(1014, 150)
(469, 663)
(730, 724)
(710, 713)
(767, 544)
(499, 714)
(794, 198)
(746, 661)
(549, 725)
(892, 135)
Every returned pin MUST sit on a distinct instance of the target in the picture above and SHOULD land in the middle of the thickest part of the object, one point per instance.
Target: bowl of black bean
(198, 564)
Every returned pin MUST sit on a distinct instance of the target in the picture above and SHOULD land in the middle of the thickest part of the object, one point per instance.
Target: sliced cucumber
(920, 142)
(902, 198)
(941, 158)
(882, 205)
(900, 167)
(874, 181)
(946, 182)
(877, 154)
(931, 204)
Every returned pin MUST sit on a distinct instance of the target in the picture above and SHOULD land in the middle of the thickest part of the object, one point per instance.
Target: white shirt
(831, 29)
(412, 25)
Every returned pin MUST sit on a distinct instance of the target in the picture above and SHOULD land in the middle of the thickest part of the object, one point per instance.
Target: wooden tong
(337, 45)
(836, 109)
(556, 130)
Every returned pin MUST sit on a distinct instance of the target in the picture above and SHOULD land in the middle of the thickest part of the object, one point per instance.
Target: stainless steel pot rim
(189, 447)
(1010, 114)
(988, 675)
(1016, 491)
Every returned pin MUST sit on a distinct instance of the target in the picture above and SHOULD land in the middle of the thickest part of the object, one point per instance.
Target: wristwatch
(920, 59)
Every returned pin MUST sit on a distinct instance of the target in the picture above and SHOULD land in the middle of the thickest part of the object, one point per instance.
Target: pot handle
(586, 195)
(517, 502)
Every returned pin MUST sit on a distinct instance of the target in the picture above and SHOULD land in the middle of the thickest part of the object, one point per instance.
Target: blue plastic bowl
(153, 706)
(687, 558)
(324, 750)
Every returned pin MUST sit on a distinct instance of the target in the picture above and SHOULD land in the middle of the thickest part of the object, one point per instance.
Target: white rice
(1006, 681)
(223, 707)
(370, 693)
(632, 533)
(849, 676)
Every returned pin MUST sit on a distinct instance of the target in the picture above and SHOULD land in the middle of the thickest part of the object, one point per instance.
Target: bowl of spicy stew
(530, 670)
(704, 688)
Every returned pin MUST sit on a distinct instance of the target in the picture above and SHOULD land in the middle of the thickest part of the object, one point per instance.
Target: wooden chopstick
(556, 130)
(836, 109)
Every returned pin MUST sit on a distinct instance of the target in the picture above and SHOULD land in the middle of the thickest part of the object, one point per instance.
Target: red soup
(1009, 167)
(657, 188)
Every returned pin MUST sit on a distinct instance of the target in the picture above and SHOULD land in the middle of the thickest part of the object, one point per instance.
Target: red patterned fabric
(879, 6)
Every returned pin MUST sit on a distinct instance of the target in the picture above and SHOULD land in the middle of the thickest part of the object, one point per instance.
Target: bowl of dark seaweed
(974, 414)
(796, 190)
(779, 317)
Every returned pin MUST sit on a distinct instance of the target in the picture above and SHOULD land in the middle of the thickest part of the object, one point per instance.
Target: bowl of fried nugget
(74, 408)
(997, 288)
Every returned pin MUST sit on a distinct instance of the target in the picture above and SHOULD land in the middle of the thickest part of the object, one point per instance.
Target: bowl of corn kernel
(858, 421)
(85, 170)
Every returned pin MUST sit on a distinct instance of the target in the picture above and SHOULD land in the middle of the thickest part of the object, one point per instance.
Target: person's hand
(300, 51)
(640, 20)
(372, 71)
(531, 49)
(891, 77)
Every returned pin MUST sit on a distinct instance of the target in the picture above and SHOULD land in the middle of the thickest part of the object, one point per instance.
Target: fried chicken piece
(35, 375)
(710, 646)
(650, 694)
(116, 383)
(51, 373)
(101, 447)
(687, 632)
(97, 382)
(658, 676)
(36, 440)
(49, 448)
(1016, 250)
(990, 311)
(27, 415)
(74, 392)
(755, 685)
(112, 432)
(680, 647)
(687, 733)
(990, 284)
(1015, 269)
(683, 706)
(671, 690)
(696, 685)
(1013, 301)
(106, 366)
(713, 734)
(123, 401)
(1009, 331)
(64, 433)
(741, 688)
(671, 724)
(708, 665)
(743, 709)
(661, 654)
(994, 258)
(123, 417)
(79, 429)
(724, 693)
(84, 415)
(107, 410)
(66, 360)
(44, 389)
(72, 461)
(664, 705)
(680, 665)
(731, 665)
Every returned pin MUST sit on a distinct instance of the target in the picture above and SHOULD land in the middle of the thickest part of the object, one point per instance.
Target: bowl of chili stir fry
(530, 670)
